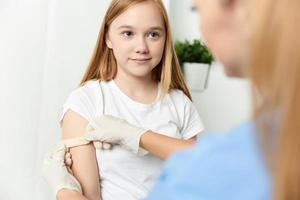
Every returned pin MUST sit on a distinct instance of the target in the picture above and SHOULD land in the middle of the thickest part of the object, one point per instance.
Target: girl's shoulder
(84, 100)
(90, 89)
(178, 96)
(176, 92)
(90, 86)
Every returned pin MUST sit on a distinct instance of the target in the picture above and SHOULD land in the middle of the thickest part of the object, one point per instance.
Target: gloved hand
(116, 131)
(56, 172)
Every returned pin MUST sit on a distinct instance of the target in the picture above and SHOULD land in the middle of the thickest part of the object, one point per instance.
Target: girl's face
(224, 28)
(137, 39)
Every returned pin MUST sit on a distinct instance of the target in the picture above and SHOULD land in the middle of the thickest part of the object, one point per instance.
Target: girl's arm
(66, 194)
(84, 167)
(163, 146)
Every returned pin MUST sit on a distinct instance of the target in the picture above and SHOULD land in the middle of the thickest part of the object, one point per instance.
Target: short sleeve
(85, 100)
(191, 124)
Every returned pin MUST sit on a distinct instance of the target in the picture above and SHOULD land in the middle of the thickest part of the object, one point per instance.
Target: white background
(44, 49)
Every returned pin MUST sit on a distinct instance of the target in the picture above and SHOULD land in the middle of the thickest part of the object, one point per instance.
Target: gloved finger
(68, 159)
(68, 162)
(99, 137)
(68, 155)
(106, 146)
(97, 144)
(102, 145)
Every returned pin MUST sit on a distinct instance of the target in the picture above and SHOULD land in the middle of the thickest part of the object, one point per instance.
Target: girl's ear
(108, 42)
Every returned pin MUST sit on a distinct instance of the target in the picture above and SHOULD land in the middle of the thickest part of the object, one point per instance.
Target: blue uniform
(221, 166)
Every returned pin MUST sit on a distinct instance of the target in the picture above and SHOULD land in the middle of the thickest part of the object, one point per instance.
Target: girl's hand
(113, 130)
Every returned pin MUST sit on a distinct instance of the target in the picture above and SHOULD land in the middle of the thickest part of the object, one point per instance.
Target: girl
(134, 75)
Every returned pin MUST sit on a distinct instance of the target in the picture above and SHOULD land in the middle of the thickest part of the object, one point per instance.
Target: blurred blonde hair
(103, 66)
(275, 72)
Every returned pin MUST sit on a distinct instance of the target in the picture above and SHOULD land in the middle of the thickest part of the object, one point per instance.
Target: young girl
(134, 75)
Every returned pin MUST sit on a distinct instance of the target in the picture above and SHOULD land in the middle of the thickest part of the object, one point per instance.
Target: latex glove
(114, 130)
(56, 172)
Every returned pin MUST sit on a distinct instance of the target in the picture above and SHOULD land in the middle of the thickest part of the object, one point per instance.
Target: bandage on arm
(75, 142)
(79, 141)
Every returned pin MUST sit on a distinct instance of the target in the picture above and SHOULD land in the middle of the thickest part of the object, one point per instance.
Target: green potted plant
(195, 61)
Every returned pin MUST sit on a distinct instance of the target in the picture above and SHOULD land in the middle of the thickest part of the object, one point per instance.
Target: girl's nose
(142, 46)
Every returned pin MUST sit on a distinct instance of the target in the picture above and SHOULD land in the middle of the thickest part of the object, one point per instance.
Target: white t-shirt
(124, 175)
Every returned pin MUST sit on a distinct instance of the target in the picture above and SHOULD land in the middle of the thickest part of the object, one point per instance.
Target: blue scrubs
(221, 166)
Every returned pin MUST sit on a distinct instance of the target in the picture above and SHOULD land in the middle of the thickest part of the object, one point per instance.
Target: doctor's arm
(163, 146)
(136, 139)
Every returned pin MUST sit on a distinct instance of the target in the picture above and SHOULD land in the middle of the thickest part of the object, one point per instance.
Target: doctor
(258, 159)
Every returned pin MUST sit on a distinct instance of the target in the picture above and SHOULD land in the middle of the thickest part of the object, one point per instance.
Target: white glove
(116, 131)
(56, 172)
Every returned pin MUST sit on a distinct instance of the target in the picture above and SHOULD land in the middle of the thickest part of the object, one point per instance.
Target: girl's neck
(141, 89)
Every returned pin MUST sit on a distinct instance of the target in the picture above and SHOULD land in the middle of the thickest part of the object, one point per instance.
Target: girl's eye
(153, 35)
(127, 34)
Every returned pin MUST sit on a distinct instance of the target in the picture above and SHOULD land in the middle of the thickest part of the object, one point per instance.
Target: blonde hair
(103, 66)
(275, 72)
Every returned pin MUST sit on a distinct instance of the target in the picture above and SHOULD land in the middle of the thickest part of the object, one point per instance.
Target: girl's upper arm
(84, 167)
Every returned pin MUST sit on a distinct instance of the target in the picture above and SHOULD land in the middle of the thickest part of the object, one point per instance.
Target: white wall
(183, 21)
(226, 101)
(167, 5)
(45, 47)
(22, 50)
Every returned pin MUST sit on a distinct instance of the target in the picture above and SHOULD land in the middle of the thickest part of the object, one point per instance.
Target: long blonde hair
(103, 66)
(275, 72)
